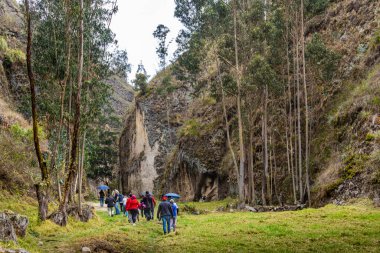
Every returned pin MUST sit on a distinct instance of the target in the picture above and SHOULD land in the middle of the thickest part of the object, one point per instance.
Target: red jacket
(132, 203)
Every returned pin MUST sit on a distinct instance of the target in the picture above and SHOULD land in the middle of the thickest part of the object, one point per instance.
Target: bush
(191, 127)
(15, 56)
(375, 41)
(324, 60)
(3, 45)
(21, 133)
(315, 7)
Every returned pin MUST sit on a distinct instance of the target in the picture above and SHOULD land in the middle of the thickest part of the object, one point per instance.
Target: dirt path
(97, 206)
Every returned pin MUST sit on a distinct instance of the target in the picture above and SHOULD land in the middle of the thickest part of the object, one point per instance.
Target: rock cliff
(177, 141)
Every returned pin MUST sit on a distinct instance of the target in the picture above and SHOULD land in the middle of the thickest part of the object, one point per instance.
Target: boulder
(7, 232)
(20, 223)
(86, 249)
(250, 208)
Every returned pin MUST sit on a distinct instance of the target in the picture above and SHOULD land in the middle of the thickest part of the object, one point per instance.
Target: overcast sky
(134, 25)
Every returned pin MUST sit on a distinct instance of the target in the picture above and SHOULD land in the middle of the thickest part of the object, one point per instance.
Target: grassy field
(353, 228)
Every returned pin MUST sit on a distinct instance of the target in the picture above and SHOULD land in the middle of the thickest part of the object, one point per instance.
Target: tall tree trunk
(299, 117)
(266, 152)
(250, 164)
(306, 106)
(72, 167)
(226, 119)
(240, 120)
(263, 182)
(290, 117)
(80, 178)
(270, 177)
(62, 96)
(43, 186)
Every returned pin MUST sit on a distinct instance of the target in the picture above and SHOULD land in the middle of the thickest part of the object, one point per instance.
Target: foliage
(162, 49)
(119, 64)
(141, 83)
(191, 127)
(21, 133)
(375, 41)
(3, 44)
(15, 56)
(102, 58)
(322, 58)
(354, 163)
(261, 73)
(315, 7)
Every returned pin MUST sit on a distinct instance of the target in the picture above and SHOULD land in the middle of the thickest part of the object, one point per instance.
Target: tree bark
(43, 186)
(226, 120)
(240, 120)
(299, 117)
(306, 106)
(80, 178)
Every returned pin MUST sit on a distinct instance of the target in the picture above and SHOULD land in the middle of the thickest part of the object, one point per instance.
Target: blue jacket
(175, 209)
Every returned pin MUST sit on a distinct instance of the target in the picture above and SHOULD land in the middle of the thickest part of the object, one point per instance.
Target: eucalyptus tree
(160, 34)
(42, 188)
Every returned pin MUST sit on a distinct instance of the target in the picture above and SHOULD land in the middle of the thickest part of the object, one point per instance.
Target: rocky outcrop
(157, 154)
(148, 139)
(12, 225)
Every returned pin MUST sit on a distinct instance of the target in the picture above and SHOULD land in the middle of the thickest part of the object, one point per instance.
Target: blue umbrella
(172, 195)
(103, 187)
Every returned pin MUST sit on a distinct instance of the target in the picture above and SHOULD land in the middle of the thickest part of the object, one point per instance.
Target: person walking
(165, 212)
(125, 205)
(133, 208)
(120, 199)
(116, 198)
(110, 202)
(153, 201)
(101, 198)
(173, 220)
(149, 205)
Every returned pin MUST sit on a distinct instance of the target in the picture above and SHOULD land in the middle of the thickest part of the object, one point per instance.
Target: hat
(164, 198)
(172, 201)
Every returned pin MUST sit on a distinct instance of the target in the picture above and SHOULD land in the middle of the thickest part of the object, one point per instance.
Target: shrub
(191, 127)
(375, 41)
(314, 7)
(3, 45)
(369, 137)
(324, 59)
(15, 56)
(354, 164)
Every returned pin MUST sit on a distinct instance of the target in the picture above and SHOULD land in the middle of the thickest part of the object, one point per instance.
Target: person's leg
(168, 223)
(101, 202)
(174, 223)
(135, 213)
(130, 216)
(152, 213)
(117, 211)
(164, 223)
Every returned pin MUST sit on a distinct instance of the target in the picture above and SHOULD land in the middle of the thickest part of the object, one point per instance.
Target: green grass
(353, 228)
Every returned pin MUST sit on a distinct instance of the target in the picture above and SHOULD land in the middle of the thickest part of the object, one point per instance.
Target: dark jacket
(110, 202)
(149, 202)
(164, 209)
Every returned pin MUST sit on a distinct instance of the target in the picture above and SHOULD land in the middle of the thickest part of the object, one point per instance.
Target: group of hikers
(131, 207)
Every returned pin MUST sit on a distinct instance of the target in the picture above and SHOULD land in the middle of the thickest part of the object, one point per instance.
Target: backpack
(121, 197)
(142, 206)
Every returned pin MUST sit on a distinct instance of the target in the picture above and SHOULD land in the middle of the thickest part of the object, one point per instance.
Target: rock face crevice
(137, 155)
